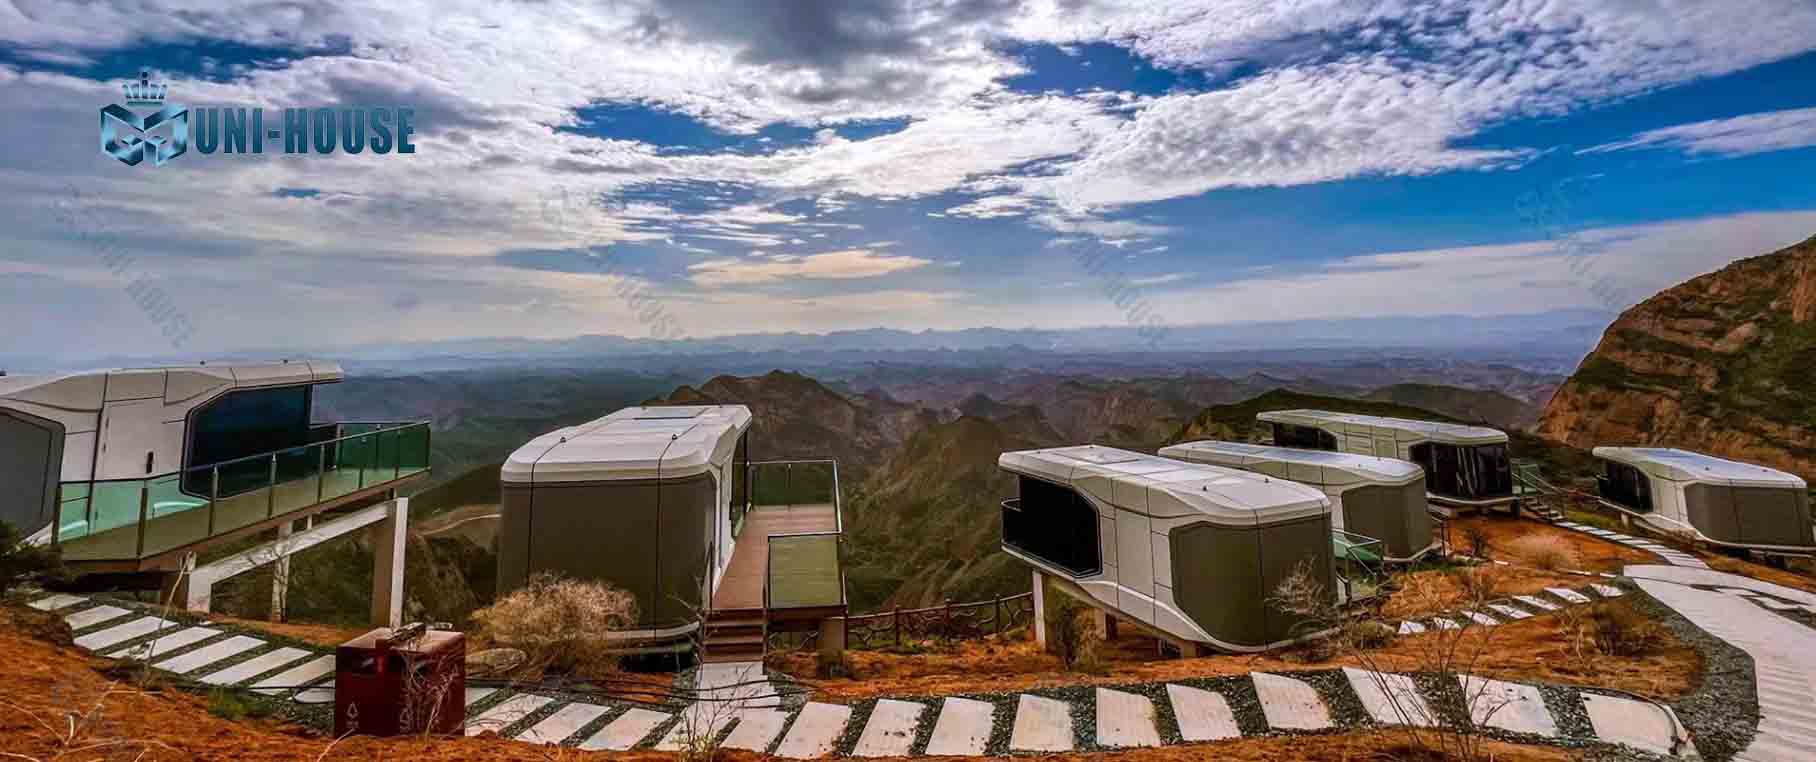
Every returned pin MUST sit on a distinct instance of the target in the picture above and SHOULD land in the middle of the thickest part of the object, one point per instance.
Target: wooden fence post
(997, 615)
(898, 626)
(946, 620)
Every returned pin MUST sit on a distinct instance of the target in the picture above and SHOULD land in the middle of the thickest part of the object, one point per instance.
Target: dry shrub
(1618, 630)
(559, 624)
(1072, 633)
(1477, 584)
(1547, 552)
(1476, 539)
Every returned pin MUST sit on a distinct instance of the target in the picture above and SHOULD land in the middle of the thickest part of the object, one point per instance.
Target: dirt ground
(1507, 541)
(1533, 649)
(320, 634)
(45, 681)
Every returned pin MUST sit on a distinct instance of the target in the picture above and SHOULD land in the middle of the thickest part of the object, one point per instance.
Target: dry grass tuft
(559, 624)
(1546, 552)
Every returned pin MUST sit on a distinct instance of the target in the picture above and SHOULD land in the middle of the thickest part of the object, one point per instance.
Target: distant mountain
(1475, 406)
(797, 417)
(1236, 422)
(1724, 363)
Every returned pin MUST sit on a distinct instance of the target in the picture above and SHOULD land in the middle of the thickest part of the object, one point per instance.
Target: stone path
(738, 705)
(1785, 676)
(1671, 555)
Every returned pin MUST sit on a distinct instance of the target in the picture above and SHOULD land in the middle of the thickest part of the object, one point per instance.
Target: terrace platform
(792, 547)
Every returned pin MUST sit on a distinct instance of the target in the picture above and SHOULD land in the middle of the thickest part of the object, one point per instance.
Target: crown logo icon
(143, 92)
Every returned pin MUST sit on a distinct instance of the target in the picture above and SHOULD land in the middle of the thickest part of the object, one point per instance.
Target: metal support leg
(390, 539)
(1040, 610)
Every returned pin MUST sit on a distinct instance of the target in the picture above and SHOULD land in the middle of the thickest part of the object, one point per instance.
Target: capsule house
(127, 470)
(642, 499)
(1720, 501)
(1380, 498)
(1192, 551)
(1465, 466)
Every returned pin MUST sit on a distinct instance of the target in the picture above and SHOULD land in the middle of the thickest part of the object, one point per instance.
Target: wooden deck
(804, 574)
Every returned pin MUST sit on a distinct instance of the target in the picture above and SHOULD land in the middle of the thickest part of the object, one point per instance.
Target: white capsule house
(1465, 466)
(1379, 498)
(1193, 551)
(1715, 500)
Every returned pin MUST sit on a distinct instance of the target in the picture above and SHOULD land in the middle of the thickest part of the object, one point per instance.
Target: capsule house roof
(88, 390)
(1239, 454)
(1170, 489)
(634, 443)
(1448, 433)
(1684, 466)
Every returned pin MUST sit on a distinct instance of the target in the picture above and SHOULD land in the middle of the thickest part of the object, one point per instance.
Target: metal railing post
(144, 510)
(214, 496)
(321, 471)
(271, 489)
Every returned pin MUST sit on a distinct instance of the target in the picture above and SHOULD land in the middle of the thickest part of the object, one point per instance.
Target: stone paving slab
(1536, 602)
(1291, 704)
(476, 695)
(256, 666)
(756, 729)
(317, 694)
(705, 718)
(300, 675)
(94, 616)
(1639, 724)
(507, 712)
(816, 729)
(165, 643)
(1202, 715)
(1736, 591)
(1606, 591)
(1125, 720)
(1508, 706)
(628, 730)
(1410, 627)
(120, 633)
(57, 601)
(557, 727)
(1445, 624)
(890, 730)
(1509, 611)
(1041, 724)
(1482, 619)
(1774, 604)
(209, 654)
(963, 728)
(1389, 698)
(1568, 595)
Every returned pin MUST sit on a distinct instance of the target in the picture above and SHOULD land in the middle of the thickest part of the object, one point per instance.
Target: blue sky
(824, 166)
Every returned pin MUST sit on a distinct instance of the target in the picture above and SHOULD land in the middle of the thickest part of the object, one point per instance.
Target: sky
(703, 167)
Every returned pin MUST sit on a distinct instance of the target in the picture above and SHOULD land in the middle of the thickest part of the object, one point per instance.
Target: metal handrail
(323, 443)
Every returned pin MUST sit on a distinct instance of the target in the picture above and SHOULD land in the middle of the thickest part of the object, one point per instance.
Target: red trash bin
(401, 682)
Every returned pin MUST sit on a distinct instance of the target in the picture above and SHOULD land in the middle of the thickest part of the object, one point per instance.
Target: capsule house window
(1304, 437)
(1054, 524)
(1624, 485)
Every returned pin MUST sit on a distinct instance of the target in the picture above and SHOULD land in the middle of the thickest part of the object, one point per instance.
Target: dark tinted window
(245, 423)
(1478, 471)
(1055, 524)
(1304, 437)
(1624, 485)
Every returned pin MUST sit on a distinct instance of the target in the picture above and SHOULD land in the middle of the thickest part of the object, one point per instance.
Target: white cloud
(848, 264)
(1735, 136)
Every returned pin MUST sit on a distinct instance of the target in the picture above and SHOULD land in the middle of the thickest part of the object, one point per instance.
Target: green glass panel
(804, 572)
(174, 518)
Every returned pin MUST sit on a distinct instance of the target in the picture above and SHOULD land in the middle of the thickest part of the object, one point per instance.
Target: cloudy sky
(707, 167)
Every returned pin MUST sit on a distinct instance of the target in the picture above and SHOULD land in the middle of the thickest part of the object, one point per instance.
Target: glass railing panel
(106, 525)
(804, 571)
(792, 483)
(72, 511)
(384, 459)
(174, 518)
(249, 502)
(413, 450)
(299, 482)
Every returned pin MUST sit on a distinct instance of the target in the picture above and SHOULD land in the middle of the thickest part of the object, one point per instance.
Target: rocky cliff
(1724, 364)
